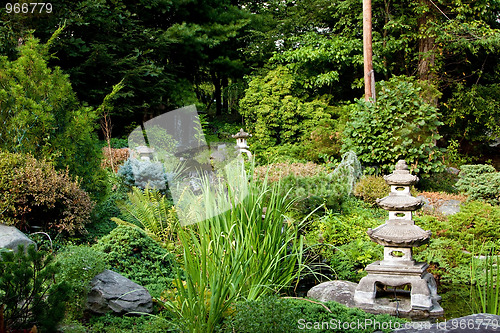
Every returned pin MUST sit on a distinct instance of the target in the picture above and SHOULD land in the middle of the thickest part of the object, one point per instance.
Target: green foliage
(152, 212)
(348, 261)
(480, 182)
(473, 112)
(447, 259)
(131, 252)
(109, 323)
(34, 194)
(235, 254)
(371, 188)
(455, 238)
(273, 314)
(268, 314)
(41, 115)
(78, 266)
(30, 295)
(324, 188)
(276, 114)
(399, 125)
(338, 229)
(439, 182)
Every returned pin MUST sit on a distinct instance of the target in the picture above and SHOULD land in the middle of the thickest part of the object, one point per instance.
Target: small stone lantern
(145, 153)
(399, 235)
(241, 142)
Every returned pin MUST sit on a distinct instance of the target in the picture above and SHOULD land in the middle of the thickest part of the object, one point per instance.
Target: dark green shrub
(439, 182)
(273, 314)
(371, 188)
(78, 266)
(400, 124)
(324, 188)
(480, 182)
(29, 294)
(138, 257)
(34, 193)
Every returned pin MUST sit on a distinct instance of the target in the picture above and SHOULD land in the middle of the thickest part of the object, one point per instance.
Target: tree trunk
(367, 50)
(217, 94)
(426, 47)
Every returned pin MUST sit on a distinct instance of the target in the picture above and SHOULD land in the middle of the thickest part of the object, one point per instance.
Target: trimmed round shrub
(35, 194)
(371, 188)
(135, 255)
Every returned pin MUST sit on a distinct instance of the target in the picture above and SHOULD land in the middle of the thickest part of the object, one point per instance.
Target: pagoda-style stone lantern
(398, 236)
(145, 153)
(241, 142)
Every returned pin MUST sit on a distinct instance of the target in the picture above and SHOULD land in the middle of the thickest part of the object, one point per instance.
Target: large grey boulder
(338, 291)
(482, 322)
(11, 238)
(112, 292)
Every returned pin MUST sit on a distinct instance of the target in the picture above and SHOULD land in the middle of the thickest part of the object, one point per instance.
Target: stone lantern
(399, 235)
(145, 153)
(241, 142)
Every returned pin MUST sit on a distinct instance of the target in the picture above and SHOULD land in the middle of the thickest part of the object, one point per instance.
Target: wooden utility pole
(367, 50)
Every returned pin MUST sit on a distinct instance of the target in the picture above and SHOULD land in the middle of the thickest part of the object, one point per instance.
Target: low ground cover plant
(274, 314)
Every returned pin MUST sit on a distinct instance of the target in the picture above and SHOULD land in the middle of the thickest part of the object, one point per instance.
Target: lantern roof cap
(401, 175)
(241, 134)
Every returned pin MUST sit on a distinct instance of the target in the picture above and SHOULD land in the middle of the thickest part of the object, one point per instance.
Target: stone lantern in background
(398, 236)
(145, 153)
(241, 142)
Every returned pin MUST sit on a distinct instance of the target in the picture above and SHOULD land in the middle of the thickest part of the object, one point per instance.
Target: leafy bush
(480, 182)
(78, 266)
(34, 193)
(131, 252)
(275, 113)
(29, 294)
(40, 114)
(371, 188)
(399, 125)
(273, 314)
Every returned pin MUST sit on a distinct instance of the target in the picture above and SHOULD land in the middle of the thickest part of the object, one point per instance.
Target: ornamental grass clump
(241, 253)
(485, 283)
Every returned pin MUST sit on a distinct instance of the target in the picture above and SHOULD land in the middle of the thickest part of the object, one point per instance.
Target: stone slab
(482, 322)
